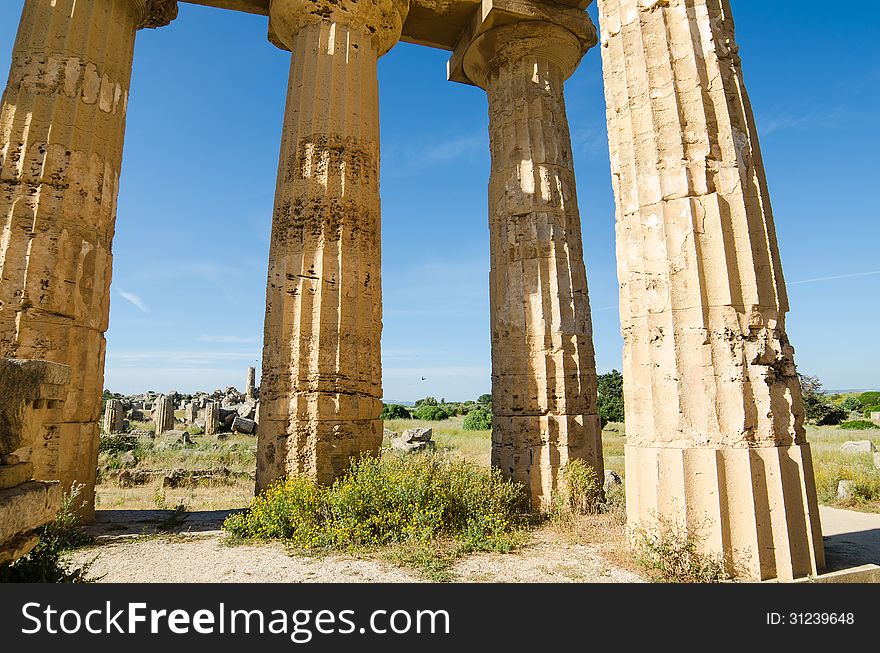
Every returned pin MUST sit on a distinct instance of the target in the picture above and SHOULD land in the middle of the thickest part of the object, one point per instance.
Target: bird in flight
(424, 378)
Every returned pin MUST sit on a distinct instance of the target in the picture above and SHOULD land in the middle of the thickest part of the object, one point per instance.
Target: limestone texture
(543, 364)
(714, 417)
(163, 414)
(212, 417)
(320, 391)
(33, 394)
(62, 120)
(113, 416)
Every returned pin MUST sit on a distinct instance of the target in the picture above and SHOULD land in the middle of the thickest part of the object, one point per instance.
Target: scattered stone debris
(412, 440)
(845, 489)
(612, 479)
(858, 446)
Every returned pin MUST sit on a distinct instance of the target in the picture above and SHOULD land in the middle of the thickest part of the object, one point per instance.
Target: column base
(533, 449)
(755, 507)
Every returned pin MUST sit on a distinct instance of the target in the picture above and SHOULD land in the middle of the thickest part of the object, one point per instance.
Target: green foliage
(858, 425)
(582, 490)
(116, 443)
(611, 407)
(430, 412)
(45, 563)
(869, 399)
(394, 411)
(671, 554)
(484, 399)
(195, 430)
(851, 404)
(427, 401)
(818, 409)
(385, 501)
(871, 409)
(478, 419)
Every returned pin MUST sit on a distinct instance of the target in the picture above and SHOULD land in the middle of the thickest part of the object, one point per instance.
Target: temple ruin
(713, 413)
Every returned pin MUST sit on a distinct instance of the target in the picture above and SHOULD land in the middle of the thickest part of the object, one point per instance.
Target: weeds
(669, 553)
(45, 563)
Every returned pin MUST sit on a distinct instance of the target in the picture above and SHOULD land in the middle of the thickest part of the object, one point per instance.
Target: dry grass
(831, 465)
(473, 446)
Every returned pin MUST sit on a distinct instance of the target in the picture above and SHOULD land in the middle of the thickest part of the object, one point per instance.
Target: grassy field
(237, 454)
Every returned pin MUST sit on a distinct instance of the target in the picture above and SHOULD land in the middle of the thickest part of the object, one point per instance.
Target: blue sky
(201, 151)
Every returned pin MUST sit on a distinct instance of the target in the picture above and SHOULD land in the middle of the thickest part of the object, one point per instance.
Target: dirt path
(851, 538)
(152, 546)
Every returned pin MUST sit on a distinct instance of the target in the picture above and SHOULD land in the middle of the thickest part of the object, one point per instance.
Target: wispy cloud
(176, 358)
(230, 340)
(788, 121)
(134, 299)
(404, 157)
(834, 277)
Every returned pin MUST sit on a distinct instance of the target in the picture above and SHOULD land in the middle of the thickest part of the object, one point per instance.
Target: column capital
(503, 30)
(383, 19)
(155, 13)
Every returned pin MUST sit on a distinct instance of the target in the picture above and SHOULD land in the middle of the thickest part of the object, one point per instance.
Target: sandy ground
(153, 546)
(132, 547)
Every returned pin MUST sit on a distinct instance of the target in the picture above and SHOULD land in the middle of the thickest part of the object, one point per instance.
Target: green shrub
(394, 411)
(478, 419)
(45, 563)
(427, 401)
(671, 554)
(871, 409)
(430, 412)
(858, 425)
(851, 404)
(869, 399)
(391, 500)
(116, 443)
(484, 399)
(610, 388)
(581, 490)
(822, 412)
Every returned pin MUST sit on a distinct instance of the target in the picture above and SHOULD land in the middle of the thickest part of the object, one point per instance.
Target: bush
(611, 406)
(478, 419)
(484, 399)
(671, 554)
(384, 501)
(582, 490)
(858, 425)
(45, 563)
(394, 411)
(427, 401)
(116, 443)
(430, 412)
(851, 404)
(869, 399)
(871, 409)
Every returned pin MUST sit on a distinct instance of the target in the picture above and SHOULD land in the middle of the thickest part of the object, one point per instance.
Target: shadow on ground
(149, 522)
(845, 550)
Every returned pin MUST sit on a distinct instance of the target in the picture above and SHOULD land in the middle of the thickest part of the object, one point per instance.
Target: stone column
(163, 414)
(212, 417)
(321, 382)
(250, 386)
(714, 419)
(543, 367)
(62, 121)
(113, 416)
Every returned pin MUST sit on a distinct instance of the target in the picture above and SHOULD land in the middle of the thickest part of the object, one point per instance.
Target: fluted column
(114, 415)
(714, 419)
(163, 414)
(321, 390)
(543, 367)
(62, 122)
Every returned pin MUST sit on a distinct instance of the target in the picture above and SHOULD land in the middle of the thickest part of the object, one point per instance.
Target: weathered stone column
(321, 382)
(714, 420)
(163, 414)
(212, 417)
(250, 386)
(543, 367)
(62, 121)
(113, 416)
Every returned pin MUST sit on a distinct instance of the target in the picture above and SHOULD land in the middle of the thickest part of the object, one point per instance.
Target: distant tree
(427, 401)
(817, 408)
(430, 412)
(851, 404)
(394, 411)
(611, 406)
(484, 399)
(479, 419)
